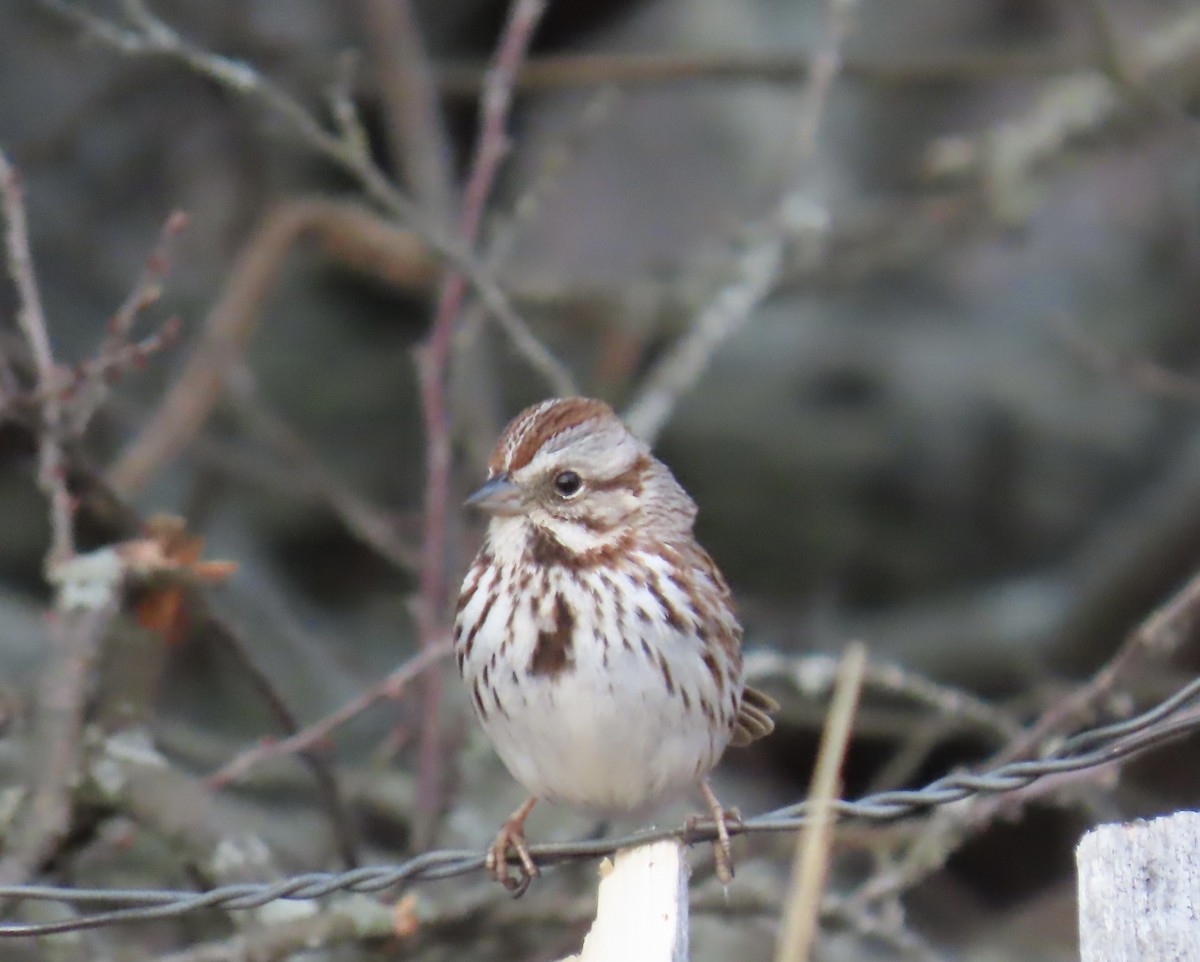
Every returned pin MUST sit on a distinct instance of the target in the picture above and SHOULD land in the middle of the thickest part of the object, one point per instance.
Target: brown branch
(349, 234)
(550, 73)
(492, 144)
(349, 231)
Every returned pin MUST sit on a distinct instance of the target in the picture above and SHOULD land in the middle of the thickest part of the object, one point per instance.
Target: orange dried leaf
(168, 553)
(164, 610)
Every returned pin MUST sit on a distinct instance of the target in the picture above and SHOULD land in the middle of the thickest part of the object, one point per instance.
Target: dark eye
(568, 483)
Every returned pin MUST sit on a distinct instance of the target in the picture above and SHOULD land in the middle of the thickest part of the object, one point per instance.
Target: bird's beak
(498, 495)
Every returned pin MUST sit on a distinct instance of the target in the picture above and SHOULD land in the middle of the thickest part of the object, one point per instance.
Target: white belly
(626, 716)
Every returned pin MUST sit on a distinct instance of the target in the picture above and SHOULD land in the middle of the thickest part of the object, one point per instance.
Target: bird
(597, 638)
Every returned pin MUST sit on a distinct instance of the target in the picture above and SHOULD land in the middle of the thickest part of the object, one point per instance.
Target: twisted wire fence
(1172, 718)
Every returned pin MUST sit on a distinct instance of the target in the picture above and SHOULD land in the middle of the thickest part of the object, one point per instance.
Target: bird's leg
(722, 847)
(512, 836)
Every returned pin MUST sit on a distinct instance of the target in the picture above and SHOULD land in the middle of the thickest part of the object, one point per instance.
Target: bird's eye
(568, 483)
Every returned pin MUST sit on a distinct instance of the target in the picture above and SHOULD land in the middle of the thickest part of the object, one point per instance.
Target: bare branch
(491, 146)
(394, 253)
(52, 472)
(313, 735)
(798, 220)
(116, 353)
(1068, 108)
(147, 35)
(627, 70)
(416, 135)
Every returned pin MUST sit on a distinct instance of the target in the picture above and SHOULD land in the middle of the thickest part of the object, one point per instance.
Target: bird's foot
(721, 818)
(511, 837)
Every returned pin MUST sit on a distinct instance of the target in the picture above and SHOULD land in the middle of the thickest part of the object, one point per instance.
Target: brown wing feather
(754, 717)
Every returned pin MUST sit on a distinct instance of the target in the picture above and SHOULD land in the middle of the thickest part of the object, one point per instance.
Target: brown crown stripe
(534, 426)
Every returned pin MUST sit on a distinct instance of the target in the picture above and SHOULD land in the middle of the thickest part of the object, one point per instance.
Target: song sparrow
(597, 638)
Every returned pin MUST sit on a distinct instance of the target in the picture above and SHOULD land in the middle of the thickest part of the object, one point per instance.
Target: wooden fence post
(1139, 891)
(642, 909)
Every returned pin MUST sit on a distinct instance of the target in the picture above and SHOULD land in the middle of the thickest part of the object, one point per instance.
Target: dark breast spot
(670, 612)
(480, 707)
(666, 673)
(467, 642)
(714, 669)
(554, 651)
(467, 593)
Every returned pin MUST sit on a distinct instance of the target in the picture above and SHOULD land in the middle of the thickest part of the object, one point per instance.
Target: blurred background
(961, 427)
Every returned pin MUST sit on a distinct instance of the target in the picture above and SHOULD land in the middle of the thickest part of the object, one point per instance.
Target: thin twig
(116, 353)
(390, 252)
(810, 868)
(52, 472)
(311, 736)
(329, 793)
(415, 131)
(150, 36)
(503, 236)
(371, 525)
(1160, 634)
(491, 146)
(815, 675)
(758, 267)
(1138, 372)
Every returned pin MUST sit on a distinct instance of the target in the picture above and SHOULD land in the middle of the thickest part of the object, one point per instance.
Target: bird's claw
(722, 845)
(511, 837)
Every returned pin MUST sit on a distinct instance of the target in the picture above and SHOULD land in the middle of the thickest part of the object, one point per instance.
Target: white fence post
(642, 909)
(1139, 891)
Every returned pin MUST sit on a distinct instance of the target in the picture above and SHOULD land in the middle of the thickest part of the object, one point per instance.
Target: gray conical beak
(498, 495)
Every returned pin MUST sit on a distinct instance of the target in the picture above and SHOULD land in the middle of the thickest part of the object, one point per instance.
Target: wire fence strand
(1093, 748)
